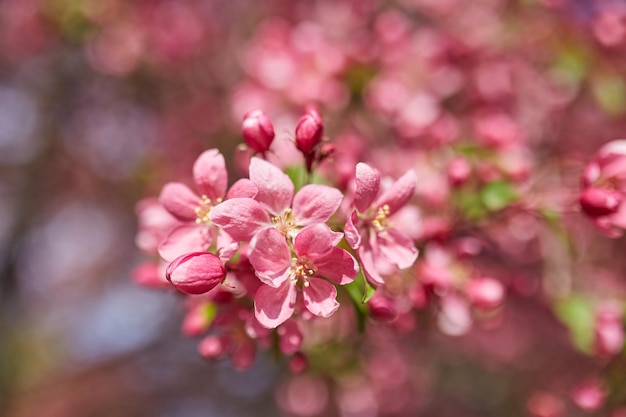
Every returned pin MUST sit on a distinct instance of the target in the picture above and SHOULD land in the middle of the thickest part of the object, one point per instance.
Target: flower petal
(226, 247)
(242, 188)
(399, 193)
(397, 248)
(337, 266)
(315, 203)
(366, 256)
(351, 232)
(367, 186)
(314, 241)
(196, 273)
(180, 201)
(290, 337)
(270, 257)
(209, 173)
(273, 306)
(241, 218)
(185, 239)
(320, 297)
(275, 187)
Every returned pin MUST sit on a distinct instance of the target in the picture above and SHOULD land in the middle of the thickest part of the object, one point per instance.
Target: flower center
(204, 208)
(380, 222)
(302, 269)
(285, 223)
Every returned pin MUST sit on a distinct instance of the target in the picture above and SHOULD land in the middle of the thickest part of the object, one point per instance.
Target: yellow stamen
(204, 208)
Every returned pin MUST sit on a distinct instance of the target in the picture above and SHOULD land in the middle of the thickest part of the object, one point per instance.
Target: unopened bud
(298, 363)
(598, 202)
(212, 347)
(309, 131)
(459, 171)
(382, 308)
(196, 273)
(258, 131)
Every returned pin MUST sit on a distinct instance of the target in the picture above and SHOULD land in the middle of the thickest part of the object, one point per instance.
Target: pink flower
(314, 257)
(197, 233)
(369, 229)
(275, 205)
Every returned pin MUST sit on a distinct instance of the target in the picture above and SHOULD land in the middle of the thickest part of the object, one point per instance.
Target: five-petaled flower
(197, 233)
(382, 248)
(284, 270)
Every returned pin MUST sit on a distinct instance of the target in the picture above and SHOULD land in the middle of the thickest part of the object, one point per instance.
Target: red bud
(309, 131)
(258, 131)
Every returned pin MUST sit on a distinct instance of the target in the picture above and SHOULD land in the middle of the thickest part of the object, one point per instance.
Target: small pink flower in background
(155, 222)
(589, 395)
(609, 330)
(603, 197)
(196, 233)
(275, 205)
(315, 260)
(545, 404)
(369, 229)
(485, 292)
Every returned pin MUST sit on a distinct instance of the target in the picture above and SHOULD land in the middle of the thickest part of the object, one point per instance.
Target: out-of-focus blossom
(369, 228)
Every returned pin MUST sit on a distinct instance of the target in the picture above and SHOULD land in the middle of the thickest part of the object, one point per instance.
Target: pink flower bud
(309, 131)
(485, 292)
(258, 131)
(298, 363)
(382, 308)
(196, 273)
(598, 202)
(212, 347)
(459, 171)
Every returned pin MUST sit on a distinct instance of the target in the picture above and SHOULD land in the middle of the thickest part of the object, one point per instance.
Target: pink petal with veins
(242, 188)
(209, 173)
(270, 257)
(399, 193)
(180, 201)
(273, 306)
(320, 297)
(337, 266)
(315, 203)
(184, 239)
(351, 232)
(241, 218)
(367, 186)
(397, 248)
(275, 187)
(314, 241)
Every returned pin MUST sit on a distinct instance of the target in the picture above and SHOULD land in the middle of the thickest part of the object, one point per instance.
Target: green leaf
(368, 292)
(577, 314)
(298, 175)
(497, 195)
